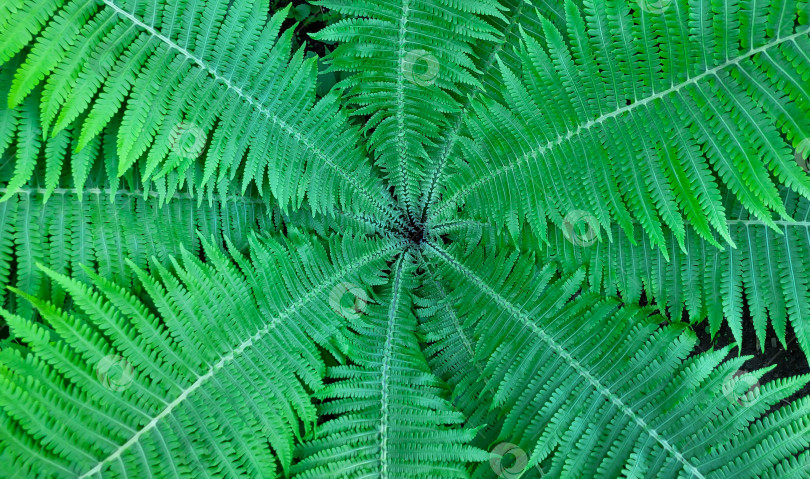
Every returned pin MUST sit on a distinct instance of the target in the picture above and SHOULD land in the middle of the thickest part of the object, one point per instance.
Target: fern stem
(374, 223)
(456, 225)
(468, 347)
(121, 192)
(386, 366)
(543, 149)
(401, 146)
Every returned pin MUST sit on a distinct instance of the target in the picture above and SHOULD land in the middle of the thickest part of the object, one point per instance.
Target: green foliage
(767, 271)
(403, 53)
(159, 69)
(590, 386)
(105, 232)
(390, 417)
(445, 239)
(712, 96)
(209, 346)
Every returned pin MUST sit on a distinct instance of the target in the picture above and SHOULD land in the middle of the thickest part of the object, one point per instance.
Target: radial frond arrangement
(408, 238)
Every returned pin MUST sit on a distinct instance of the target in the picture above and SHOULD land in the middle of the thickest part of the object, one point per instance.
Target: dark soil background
(789, 362)
(307, 19)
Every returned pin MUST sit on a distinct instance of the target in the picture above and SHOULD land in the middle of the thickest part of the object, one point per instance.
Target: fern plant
(481, 252)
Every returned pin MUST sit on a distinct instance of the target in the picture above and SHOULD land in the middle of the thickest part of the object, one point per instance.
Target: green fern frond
(390, 418)
(221, 342)
(400, 54)
(614, 126)
(212, 78)
(410, 238)
(105, 231)
(450, 353)
(767, 272)
(586, 387)
(518, 16)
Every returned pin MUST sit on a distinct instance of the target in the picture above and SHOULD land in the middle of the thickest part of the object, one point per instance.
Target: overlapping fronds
(138, 386)
(211, 275)
(642, 117)
(768, 271)
(590, 386)
(449, 347)
(409, 59)
(104, 233)
(518, 16)
(388, 413)
(179, 81)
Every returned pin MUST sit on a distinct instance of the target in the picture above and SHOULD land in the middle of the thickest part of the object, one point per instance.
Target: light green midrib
(452, 137)
(468, 347)
(121, 192)
(400, 113)
(359, 217)
(385, 370)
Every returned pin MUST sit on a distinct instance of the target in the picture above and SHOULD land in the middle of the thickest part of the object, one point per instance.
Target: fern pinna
(411, 238)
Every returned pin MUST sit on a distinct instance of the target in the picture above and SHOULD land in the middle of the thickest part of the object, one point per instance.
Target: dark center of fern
(414, 232)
